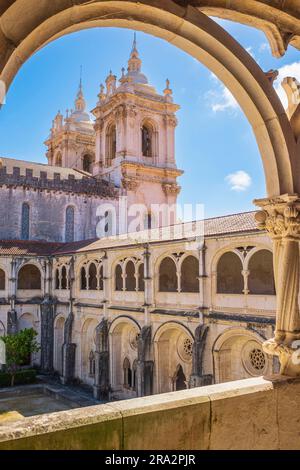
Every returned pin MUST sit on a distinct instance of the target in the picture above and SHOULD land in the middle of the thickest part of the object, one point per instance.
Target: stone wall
(48, 211)
(248, 414)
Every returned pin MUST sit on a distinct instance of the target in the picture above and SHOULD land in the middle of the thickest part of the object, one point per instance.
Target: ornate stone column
(47, 333)
(197, 379)
(281, 218)
(101, 385)
(69, 348)
(12, 318)
(144, 363)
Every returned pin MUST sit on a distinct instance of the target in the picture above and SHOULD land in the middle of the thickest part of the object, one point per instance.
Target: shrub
(22, 377)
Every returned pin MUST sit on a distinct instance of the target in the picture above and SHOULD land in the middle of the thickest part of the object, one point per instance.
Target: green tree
(18, 348)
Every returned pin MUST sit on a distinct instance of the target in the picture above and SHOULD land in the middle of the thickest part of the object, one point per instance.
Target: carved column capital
(280, 217)
(130, 184)
(171, 189)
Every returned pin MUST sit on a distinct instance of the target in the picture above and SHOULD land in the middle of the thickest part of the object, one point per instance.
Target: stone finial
(111, 83)
(291, 87)
(167, 91)
(272, 75)
(102, 94)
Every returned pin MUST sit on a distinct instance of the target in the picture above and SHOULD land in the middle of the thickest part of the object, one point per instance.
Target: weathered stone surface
(247, 414)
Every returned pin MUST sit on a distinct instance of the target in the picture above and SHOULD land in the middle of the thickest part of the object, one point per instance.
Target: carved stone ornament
(171, 189)
(279, 217)
(130, 184)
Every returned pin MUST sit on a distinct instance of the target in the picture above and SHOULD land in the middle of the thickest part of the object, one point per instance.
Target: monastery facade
(129, 315)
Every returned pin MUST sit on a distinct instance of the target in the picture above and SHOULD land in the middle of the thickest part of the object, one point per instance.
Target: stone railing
(247, 414)
(86, 185)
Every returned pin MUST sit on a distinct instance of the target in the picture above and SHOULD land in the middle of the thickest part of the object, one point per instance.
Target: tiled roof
(27, 248)
(217, 226)
(233, 223)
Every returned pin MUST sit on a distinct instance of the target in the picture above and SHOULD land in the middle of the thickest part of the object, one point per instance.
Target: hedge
(22, 377)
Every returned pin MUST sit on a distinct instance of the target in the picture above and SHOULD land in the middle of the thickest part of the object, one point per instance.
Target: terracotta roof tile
(217, 226)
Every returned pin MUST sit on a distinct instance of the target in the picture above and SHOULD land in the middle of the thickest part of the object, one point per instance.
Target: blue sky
(215, 145)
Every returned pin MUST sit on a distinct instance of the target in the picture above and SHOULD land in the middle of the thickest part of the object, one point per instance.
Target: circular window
(185, 348)
(257, 359)
(254, 359)
(133, 339)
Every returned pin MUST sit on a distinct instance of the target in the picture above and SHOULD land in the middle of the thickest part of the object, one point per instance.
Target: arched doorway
(123, 346)
(173, 357)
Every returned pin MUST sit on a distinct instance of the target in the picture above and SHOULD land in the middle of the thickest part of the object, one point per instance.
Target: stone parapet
(249, 414)
(86, 185)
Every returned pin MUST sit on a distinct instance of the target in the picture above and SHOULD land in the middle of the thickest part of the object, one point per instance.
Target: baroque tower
(72, 139)
(135, 136)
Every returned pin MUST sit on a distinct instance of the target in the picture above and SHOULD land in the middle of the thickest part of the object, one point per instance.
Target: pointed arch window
(69, 228)
(130, 282)
(119, 278)
(64, 278)
(83, 283)
(141, 279)
(25, 222)
(92, 277)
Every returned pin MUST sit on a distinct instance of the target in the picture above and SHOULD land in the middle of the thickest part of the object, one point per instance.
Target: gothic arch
(187, 29)
(29, 277)
(173, 352)
(123, 334)
(237, 354)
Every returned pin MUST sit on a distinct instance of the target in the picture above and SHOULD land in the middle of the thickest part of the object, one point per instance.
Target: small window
(146, 141)
(92, 277)
(261, 276)
(111, 144)
(70, 216)
(141, 278)
(25, 223)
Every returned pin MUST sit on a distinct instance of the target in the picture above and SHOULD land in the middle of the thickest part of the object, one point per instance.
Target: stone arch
(238, 354)
(172, 350)
(194, 33)
(59, 325)
(29, 277)
(168, 280)
(149, 138)
(189, 274)
(26, 320)
(123, 335)
(261, 274)
(130, 277)
(229, 274)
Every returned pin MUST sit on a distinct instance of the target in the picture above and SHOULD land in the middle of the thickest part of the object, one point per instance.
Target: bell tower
(135, 136)
(71, 143)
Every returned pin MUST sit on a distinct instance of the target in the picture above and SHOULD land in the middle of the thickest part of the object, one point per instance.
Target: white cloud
(290, 70)
(251, 52)
(222, 100)
(265, 46)
(239, 181)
